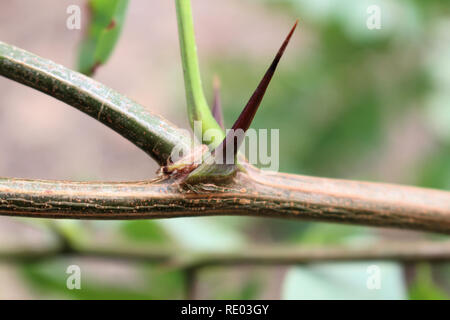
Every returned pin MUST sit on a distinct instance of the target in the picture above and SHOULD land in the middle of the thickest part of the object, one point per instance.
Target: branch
(259, 255)
(250, 193)
(277, 255)
(149, 132)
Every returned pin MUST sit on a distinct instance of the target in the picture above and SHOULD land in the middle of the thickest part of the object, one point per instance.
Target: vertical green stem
(198, 109)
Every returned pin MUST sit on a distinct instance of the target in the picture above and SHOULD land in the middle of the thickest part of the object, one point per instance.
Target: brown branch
(250, 193)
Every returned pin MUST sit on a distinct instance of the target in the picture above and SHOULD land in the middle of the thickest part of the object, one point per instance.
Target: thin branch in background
(179, 258)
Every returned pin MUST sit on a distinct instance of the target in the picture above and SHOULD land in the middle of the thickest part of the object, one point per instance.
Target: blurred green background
(349, 102)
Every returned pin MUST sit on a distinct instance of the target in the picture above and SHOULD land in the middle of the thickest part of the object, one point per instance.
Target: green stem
(150, 132)
(198, 109)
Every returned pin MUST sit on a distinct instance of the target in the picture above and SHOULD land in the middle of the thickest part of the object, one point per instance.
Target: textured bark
(250, 193)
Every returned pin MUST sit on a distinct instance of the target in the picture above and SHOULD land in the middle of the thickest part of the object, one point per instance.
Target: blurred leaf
(204, 233)
(338, 281)
(164, 283)
(352, 132)
(249, 290)
(226, 283)
(423, 286)
(435, 170)
(327, 233)
(443, 275)
(49, 280)
(107, 18)
(144, 231)
(73, 231)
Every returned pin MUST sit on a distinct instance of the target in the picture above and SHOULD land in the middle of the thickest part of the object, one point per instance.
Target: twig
(436, 251)
(250, 193)
(150, 132)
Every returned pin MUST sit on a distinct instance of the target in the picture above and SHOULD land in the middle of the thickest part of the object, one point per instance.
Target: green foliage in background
(423, 286)
(48, 280)
(351, 104)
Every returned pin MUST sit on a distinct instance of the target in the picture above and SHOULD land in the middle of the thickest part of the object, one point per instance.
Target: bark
(251, 192)
(150, 132)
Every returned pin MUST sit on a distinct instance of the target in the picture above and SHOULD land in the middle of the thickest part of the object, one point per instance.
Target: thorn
(247, 115)
(217, 105)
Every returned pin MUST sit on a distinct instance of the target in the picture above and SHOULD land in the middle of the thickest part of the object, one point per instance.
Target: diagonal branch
(150, 132)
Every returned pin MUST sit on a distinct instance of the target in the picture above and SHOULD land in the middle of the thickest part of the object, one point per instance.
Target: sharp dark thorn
(247, 115)
(217, 106)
